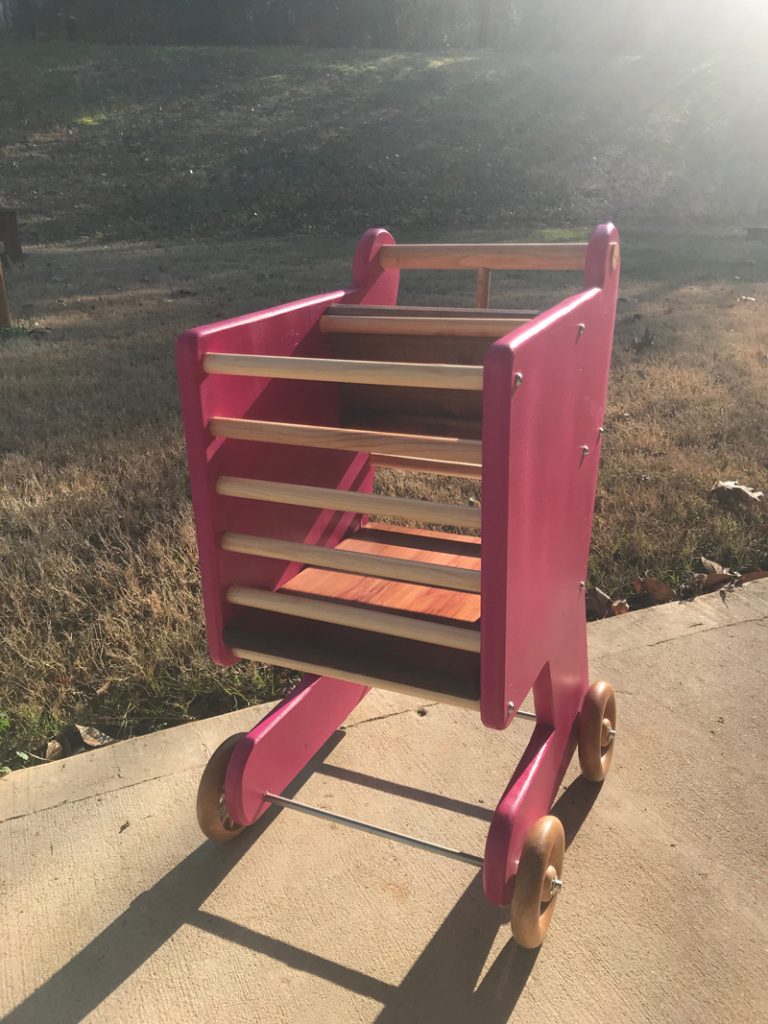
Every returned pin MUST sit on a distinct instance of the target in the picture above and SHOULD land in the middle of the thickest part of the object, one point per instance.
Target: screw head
(511, 707)
(582, 585)
(518, 379)
(585, 449)
(601, 430)
(581, 329)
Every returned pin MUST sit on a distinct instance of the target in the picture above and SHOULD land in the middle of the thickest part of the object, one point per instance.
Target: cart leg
(528, 797)
(273, 753)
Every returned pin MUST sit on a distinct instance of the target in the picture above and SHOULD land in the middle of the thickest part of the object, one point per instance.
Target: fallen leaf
(658, 592)
(54, 751)
(731, 492)
(619, 607)
(749, 577)
(598, 603)
(710, 565)
(715, 580)
(93, 737)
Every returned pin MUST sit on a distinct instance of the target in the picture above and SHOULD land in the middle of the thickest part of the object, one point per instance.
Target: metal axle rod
(384, 833)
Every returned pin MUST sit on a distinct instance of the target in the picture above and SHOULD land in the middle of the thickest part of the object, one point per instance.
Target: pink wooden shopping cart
(289, 412)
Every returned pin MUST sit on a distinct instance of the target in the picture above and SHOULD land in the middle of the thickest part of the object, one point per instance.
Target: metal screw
(511, 707)
(585, 449)
(601, 430)
(582, 585)
(611, 733)
(582, 328)
(557, 885)
(518, 379)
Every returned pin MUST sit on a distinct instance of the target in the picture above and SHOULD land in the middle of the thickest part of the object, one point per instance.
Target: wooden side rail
(350, 501)
(349, 371)
(402, 462)
(419, 445)
(365, 676)
(343, 614)
(446, 576)
(445, 326)
(505, 256)
(339, 309)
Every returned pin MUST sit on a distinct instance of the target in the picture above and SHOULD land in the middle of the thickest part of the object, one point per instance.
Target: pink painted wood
(276, 750)
(290, 329)
(543, 406)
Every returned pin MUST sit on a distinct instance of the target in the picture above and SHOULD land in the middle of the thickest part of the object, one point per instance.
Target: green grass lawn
(159, 188)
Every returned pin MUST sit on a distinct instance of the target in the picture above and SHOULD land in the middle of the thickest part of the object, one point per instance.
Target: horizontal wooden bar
(350, 501)
(503, 256)
(420, 445)
(443, 326)
(322, 667)
(348, 371)
(427, 574)
(342, 309)
(341, 613)
(402, 462)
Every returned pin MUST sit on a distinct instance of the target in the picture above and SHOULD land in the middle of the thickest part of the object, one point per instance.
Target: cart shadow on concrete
(442, 983)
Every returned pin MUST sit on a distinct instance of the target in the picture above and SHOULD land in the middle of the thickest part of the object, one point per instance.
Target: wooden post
(483, 288)
(5, 313)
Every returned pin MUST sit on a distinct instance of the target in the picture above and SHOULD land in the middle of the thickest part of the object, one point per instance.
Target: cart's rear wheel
(597, 730)
(212, 815)
(538, 881)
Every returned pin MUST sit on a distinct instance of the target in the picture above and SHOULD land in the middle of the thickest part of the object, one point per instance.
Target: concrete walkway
(114, 909)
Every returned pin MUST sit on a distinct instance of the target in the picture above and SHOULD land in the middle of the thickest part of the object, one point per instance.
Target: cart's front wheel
(597, 730)
(212, 815)
(538, 881)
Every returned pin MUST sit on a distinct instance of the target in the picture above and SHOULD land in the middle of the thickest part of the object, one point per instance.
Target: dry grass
(100, 608)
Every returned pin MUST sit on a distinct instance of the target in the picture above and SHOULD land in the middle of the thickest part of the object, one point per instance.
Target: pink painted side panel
(538, 500)
(290, 329)
(539, 492)
(280, 746)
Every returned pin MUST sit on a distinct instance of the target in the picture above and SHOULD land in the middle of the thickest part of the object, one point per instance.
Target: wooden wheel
(538, 881)
(212, 813)
(597, 728)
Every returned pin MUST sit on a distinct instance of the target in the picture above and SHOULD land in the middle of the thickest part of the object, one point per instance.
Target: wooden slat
(350, 501)
(419, 445)
(322, 667)
(409, 571)
(348, 371)
(504, 256)
(445, 326)
(483, 290)
(463, 469)
(350, 309)
(343, 614)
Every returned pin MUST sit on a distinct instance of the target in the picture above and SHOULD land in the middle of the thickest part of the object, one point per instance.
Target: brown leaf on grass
(658, 592)
(715, 580)
(731, 492)
(749, 577)
(598, 603)
(93, 737)
(710, 565)
(619, 607)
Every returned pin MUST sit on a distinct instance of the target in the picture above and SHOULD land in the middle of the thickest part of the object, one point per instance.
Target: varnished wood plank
(346, 614)
(348, 371)
(474, 256)
(461, 469)
(421, 446)
(350, 501)
(356, 561)
(442, 326)
(349, 309)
